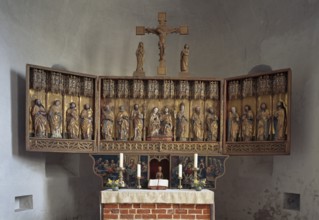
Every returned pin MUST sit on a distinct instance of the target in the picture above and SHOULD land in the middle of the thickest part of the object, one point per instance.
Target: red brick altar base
(156, 211)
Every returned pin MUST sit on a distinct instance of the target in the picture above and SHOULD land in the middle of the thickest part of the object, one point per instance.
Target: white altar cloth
(172, 196)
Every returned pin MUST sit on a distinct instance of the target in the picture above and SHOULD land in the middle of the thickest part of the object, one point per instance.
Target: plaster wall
(227, 38)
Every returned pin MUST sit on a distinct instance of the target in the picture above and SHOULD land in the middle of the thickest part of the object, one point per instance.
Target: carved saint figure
(137, 121)
(140, 57)
(181, 124)
(55, 119)
(247, 125)
(211, 125)
(166, 123)
(107, 123)
(159, 173)
(39, 117)
(72, 121)
(184, 59)
(87, 122)
(280, 121)
(196, 124)
(233, 125)
(263, 122)
(122, 121)
(154, 123)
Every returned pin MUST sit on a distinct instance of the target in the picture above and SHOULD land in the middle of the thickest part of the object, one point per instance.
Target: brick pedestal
(133, 204)
(157, 211)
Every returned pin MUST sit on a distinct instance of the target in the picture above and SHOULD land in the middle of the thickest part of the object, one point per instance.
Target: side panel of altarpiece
(61, 111)
(257, 114)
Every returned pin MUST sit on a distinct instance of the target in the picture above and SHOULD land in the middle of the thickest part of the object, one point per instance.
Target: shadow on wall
(18, 123)
(261, 68)
(72, 188)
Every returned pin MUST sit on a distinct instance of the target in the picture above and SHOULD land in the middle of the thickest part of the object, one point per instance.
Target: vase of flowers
(114, 184)
(199, 184)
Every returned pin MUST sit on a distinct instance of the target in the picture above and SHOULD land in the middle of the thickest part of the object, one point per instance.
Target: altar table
(157, 204)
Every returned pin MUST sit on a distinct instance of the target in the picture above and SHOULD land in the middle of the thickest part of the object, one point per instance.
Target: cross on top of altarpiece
(162, 30)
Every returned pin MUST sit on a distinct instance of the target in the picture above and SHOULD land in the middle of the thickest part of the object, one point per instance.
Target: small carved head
(263, 106)
(280, 104)
(37, 102)
(155, 110)
(182, 107)
(197, 109)
(211, 110)
(247, 108)
(233, 109)
(72, 105)
(57, 102)
(86, 106)
(122, 108)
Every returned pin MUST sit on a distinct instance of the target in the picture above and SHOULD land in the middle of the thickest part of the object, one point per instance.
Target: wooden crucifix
(162, 30)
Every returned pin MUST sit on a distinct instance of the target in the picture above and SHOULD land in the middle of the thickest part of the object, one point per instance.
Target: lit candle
(139, 170)
(121, 160)
(180, 170)
(195, 160)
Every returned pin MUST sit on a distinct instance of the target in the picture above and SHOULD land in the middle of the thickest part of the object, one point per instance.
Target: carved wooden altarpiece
(160, 117)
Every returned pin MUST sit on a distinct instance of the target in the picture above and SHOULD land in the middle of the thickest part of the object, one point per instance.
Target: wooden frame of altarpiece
(259, 131)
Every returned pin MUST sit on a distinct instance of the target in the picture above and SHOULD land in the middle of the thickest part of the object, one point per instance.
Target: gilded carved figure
(107, 123)
(154, 123)
(280, 121)
(263, 122)
(87, 122)
(166, 123)
(140, 57)
(137, 121)
(196, 125)
(39, 118)
(233, 125)
(72, 121)
(247, 125)
(184, 59)
(55, 119)
(159, 173)
(122, 121)
(211, 125)
(181, 124)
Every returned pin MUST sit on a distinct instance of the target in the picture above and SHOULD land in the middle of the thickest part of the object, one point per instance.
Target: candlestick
(121, 160)
(138, 170)
(139, 182)
(180, 171)
(121, 181)
(195, 160)
(180, 183)
(195, 173)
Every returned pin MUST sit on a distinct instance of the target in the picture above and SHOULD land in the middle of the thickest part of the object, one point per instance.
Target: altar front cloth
(171, 196)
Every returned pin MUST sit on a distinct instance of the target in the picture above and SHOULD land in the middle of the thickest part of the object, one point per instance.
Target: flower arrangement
(199, 184)
(114, 184)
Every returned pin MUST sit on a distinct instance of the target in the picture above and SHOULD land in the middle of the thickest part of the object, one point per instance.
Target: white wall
(227, 38)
